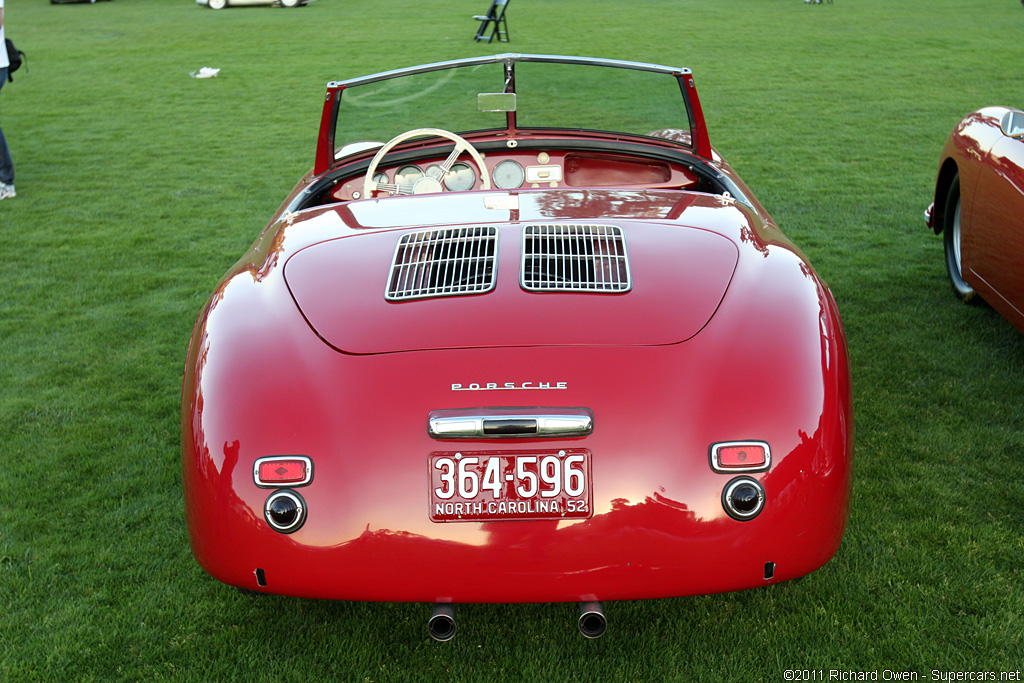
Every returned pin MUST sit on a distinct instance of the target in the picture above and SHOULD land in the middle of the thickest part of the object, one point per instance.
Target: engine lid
(675, 279)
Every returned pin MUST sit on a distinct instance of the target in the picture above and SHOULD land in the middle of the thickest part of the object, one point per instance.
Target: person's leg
(6, 165)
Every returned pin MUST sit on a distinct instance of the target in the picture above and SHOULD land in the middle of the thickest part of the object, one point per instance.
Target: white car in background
(221, 4)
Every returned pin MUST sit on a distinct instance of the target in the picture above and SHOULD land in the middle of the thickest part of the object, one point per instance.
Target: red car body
(979, 206)
(711, 374)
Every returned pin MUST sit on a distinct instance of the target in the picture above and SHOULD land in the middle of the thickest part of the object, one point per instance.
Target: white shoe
(7, 191)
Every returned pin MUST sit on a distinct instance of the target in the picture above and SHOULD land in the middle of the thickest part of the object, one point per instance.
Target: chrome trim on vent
(510, 423)
(574, 258)
(443, 262)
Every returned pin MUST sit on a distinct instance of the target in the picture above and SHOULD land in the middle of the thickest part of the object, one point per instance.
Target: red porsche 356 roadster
(561, 356)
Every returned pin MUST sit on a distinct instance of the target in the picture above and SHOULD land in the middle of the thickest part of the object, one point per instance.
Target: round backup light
(285, 511)
(743, 498)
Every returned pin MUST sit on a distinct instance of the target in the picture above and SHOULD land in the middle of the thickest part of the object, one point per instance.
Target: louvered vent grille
(575, 258)
(443, 263)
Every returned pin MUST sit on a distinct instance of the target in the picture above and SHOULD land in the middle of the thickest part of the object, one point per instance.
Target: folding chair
(495, 19)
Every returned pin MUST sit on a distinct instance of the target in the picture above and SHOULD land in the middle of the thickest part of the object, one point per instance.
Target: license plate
(505, 486)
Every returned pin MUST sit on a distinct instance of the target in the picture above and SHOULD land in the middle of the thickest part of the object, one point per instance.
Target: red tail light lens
(740, 456)
(283, 470)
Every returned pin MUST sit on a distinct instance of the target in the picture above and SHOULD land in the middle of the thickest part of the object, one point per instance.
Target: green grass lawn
(139, 186)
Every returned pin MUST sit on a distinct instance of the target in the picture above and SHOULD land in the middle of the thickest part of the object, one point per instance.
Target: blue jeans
(6, 165)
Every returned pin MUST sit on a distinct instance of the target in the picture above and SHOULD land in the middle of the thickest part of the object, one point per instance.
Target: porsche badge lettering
(509, 386)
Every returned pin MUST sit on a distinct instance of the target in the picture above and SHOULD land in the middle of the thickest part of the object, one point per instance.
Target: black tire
(951, 242)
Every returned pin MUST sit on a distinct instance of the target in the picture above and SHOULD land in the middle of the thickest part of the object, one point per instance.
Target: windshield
(438, 99)
(598, 98)
(550, 93)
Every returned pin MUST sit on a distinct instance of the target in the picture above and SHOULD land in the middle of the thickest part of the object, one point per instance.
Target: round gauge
(508, 175)
(408, 175)
(460, 178)
(380, 177)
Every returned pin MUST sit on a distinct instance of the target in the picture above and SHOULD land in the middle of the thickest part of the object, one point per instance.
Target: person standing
(6, 166)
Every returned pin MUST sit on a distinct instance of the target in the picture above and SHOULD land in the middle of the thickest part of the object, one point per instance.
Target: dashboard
(531, 169)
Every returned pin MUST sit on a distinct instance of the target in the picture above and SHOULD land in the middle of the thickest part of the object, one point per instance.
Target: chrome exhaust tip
(592, 623)
(441, 625)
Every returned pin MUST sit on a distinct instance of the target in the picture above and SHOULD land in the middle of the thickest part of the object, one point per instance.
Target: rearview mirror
(496, 101)
(1012, 124)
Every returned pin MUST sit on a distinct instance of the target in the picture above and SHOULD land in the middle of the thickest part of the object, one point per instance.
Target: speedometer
(508, 175)
(407, 176)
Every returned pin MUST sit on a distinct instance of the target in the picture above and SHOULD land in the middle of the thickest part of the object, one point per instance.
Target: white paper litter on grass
(205, 72)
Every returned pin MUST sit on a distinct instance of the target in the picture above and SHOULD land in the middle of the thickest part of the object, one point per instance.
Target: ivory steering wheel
(432, 181)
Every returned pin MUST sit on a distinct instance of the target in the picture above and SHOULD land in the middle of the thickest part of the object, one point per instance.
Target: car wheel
(289, 3)
(216, 4)
(951, 236)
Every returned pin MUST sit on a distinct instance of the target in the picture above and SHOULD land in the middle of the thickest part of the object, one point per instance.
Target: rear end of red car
(530, 410)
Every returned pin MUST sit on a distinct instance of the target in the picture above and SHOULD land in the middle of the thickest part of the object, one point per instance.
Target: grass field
(139, 186)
